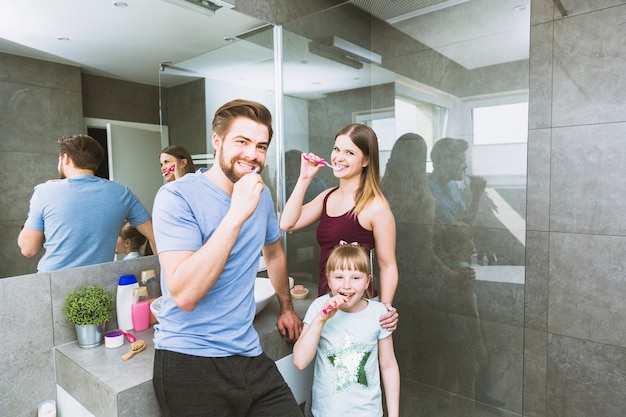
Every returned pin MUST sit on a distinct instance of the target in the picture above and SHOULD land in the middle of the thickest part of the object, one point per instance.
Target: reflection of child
(454, 244)
(353, 350)
(130, 242)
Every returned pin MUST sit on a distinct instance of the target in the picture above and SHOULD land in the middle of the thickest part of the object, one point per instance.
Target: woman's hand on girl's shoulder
(390, 320)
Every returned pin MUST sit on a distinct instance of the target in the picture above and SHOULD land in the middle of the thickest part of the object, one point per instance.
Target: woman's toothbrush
(170, 170)
(321, 162)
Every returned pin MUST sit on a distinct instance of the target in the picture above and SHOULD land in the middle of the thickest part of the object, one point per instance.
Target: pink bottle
(140, 309)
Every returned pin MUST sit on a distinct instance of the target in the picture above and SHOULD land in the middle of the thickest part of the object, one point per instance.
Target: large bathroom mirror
(456, 69)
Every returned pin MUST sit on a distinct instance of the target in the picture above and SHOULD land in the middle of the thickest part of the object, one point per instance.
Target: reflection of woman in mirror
(406, 187)
(130, 243)
(356, 211)
(175, 162)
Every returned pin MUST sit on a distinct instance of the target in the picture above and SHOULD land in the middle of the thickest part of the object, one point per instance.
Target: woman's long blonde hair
(367, 141)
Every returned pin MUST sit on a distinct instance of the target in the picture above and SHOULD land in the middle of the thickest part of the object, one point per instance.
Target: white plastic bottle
(124, 301)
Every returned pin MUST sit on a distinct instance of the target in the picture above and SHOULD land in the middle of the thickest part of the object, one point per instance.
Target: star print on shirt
(348, 363)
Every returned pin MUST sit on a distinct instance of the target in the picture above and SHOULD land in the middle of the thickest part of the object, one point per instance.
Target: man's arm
(288, 323)
(30, 241)
(190, 275)
(477, 187)
(145, 229)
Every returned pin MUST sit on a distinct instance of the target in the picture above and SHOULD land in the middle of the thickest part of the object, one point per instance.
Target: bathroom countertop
(511, 274)
(108, 386)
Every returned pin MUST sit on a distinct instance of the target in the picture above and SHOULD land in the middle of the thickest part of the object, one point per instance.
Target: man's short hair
(447, 148)
(85, 151)
(228, 112)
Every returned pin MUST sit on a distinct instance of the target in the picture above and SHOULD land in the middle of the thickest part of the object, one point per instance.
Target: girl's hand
(390, 320)
(331, 306)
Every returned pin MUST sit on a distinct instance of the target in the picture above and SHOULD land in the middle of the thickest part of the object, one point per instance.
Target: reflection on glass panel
(461, 279)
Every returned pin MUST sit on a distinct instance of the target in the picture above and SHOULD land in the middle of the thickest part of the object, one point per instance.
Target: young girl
(353, 350)
(130, 242)
(356, 211)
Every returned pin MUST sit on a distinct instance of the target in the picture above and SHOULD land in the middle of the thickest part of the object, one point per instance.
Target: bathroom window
(499, 127)
(505, 123)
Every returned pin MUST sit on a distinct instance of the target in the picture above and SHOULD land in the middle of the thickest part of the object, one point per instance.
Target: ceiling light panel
(398, 10)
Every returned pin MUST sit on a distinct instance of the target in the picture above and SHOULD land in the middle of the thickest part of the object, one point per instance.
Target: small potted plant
(88, 309)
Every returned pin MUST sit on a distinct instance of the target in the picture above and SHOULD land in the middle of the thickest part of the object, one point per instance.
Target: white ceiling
(475, 33)
(131, 43)
(125, 43)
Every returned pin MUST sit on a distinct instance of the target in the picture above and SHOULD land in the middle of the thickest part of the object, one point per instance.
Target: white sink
(263, 293)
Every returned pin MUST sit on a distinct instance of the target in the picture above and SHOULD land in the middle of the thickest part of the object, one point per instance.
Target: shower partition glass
(460, 340)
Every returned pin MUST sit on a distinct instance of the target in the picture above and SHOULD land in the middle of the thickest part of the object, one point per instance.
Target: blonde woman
(356, 211)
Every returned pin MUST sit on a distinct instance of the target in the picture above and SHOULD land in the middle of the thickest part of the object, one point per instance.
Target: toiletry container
(148, 279)
(140, 309)
(124, 301)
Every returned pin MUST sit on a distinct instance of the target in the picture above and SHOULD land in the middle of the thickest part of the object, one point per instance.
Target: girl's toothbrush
(321, 162)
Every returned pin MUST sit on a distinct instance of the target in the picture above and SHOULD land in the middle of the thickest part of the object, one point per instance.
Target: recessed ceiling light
(120, 4)
(63, 38)
(519, 8)
(229, 38)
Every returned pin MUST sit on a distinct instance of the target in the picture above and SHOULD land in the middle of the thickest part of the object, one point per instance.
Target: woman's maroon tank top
(331, 231)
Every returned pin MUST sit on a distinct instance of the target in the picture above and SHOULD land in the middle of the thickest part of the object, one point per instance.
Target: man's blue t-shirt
(81, 218)
(448, 200)
(186, 213)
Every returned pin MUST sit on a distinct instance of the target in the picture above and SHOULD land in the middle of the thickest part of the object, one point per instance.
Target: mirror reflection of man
(458, 297)
(78, 217)
(448, 158)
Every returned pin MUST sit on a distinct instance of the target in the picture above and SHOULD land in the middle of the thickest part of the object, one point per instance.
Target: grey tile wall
(574, 344)
(111, 99)
(27, 344)
(32, 324)
(39, 102)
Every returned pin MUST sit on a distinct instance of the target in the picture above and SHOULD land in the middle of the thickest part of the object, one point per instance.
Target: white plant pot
(90, 335)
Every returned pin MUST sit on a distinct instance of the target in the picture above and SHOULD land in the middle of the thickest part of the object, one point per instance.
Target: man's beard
(229, 170)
